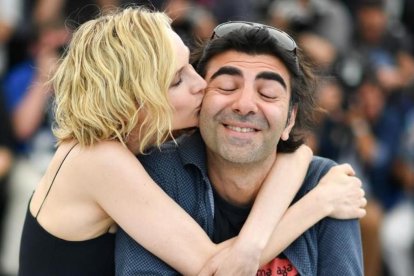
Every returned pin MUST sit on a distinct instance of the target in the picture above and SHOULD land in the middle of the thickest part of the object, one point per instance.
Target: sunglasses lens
(283, 38)
(226, 28)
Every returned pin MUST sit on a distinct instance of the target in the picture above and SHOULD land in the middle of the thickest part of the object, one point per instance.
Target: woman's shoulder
(103, 150)
(104, 155)
(103, 164)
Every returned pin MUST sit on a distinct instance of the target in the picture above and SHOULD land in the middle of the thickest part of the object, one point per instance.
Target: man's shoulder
(179, 161)
(318, 167)
(338, 241)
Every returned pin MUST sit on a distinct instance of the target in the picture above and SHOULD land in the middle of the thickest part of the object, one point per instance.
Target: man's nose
(245, 102)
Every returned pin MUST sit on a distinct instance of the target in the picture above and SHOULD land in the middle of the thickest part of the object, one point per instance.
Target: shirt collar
(192, 151)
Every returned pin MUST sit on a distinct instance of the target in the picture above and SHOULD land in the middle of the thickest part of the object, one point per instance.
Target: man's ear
(290, 123)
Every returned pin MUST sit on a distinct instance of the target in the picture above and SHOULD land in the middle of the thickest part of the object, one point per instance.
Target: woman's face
(187, 88)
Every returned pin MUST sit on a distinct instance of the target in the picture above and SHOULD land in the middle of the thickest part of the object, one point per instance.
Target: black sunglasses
(283, 39)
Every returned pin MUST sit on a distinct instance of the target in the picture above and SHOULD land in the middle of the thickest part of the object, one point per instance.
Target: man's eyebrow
(226, 70)
(272, 76)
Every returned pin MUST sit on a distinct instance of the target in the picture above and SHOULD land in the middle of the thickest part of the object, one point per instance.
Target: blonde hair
(116, 75)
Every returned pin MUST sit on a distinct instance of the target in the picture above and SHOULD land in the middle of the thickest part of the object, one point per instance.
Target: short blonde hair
(116, 75)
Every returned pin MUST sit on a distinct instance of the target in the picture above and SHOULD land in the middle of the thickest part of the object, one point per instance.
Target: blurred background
(362, 51)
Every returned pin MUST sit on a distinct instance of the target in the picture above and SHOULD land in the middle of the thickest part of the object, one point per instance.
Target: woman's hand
(342, 192)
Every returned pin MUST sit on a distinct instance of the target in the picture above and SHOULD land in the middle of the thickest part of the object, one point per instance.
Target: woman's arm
(281, 185)
(125, 191)
(128, 195)
(338, 195)
(154, 220)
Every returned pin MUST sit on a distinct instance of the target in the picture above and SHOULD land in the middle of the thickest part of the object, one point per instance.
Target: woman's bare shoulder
(103, 160)
(103, 152)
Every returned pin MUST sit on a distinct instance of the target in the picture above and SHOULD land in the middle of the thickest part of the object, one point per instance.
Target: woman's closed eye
(176, 82)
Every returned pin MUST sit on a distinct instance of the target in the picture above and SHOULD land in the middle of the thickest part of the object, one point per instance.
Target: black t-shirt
(228, 219)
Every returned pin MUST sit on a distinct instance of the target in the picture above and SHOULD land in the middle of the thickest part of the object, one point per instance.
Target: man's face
(245, 107)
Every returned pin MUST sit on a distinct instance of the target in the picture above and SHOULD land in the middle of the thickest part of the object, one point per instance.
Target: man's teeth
(241, 129)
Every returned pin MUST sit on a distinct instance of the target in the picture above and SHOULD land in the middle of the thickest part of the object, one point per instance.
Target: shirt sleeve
(133, 259)
(339, 241)
(340, 248)
(338, 245)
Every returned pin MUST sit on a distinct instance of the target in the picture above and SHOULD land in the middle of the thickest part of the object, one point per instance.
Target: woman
(124, 85)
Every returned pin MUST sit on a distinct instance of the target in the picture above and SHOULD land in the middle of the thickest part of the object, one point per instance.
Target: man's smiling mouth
(240, 129)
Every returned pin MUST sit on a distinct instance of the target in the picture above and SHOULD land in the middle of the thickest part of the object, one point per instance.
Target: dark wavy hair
(255, 41)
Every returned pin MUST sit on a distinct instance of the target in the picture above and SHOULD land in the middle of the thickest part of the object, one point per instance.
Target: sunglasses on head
(283, 39)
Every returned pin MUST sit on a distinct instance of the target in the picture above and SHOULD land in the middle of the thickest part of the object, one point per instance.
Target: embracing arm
(338, 195)
(242, 256)
(280, 187)
(156, 222)
(146, 213)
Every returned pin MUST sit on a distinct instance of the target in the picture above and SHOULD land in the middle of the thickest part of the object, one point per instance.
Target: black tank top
(41, 253)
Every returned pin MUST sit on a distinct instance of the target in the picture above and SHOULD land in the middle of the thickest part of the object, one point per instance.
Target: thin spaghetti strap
(51, 184)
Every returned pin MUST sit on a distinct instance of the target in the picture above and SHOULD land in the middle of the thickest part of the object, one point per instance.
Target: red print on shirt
(278, 266)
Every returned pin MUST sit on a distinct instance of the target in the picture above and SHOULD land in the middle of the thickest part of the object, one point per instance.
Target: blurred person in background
(385, 47)
(225, 10)
(398, 229)
(28, 102)
(74, 12)
(376, 128)
(327, 18)
(334, 137)
(6, 159)
(10, 12)
(191, 21)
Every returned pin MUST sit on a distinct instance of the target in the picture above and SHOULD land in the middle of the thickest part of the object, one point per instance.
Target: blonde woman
(125, 84)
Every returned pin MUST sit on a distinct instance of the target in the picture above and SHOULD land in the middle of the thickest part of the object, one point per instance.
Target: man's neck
(237, 183)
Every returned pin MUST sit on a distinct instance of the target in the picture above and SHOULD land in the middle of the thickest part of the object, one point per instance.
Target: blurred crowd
(362, 51)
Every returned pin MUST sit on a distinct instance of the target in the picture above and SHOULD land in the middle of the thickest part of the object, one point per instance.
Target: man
(259, 96)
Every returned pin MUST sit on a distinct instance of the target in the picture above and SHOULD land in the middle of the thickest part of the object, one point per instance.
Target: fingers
(346, 168)
(362, 192)
(364, 202)
(359, 182)
(361, 213)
